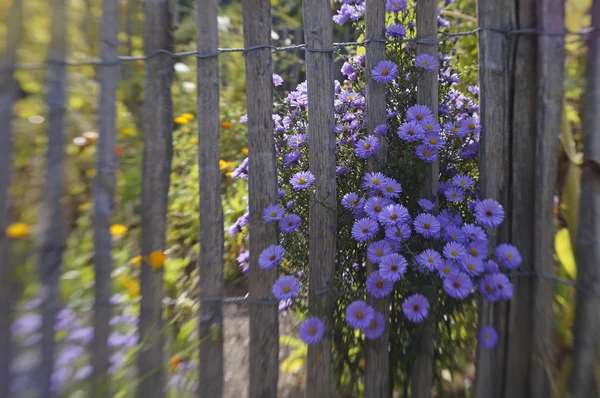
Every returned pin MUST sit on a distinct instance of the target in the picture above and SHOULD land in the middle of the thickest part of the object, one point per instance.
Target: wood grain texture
(262, 191)
(521, 199)
(587, 247)
(104, 190)
(427, 94)
(211, 208)
(318, 33)
(551, 57)
(157, 156)
(52, 213)
(8, 90)
(494, 90)
(377, 359)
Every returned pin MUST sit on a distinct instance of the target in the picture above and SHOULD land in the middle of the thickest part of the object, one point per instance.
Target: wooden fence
(521, 90)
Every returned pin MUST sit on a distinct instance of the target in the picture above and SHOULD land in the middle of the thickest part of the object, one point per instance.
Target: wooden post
(551, 56)
(7, 97)
(494, 88)
(377, 358)
(211, 209)
(521, 210)
(262, 191)
(158, 152)
(52, 214)
(427, 94)
(588, 249)
(104, 190)
(318, 34)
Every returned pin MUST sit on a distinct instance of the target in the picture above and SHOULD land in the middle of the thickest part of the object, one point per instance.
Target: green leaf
(292, 365)
(564, 251)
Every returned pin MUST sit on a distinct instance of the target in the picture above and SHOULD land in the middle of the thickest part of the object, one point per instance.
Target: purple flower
(374, 205)
(243, 257)
(378, 286)
(474, 233)
(411, 131)
(454, 194)
(426, 153)
(398, 233)
(273, 213)
(390, 188)
(373, 180)
(431, 126)
(277, 80)
(351, 201)
(302, 180)
(393, 215)
(384, 72)
(364, 229)
(416, 308)
(503, 286)
(241, 171)
(446, 268)
(463, 181)
(433, 140)
(488, 337)
(489, 213)
(290, 223)
(491, 267)
(472, 265)
(454, 251)
(311, 330)
(426, 204)
(395, 5)
(359, 314)
(426, 62)
(376, 326)
(377, 250)
(392, 267)
(367, 147)
(419, 113)
(297, 140)
(453, 128)
(487, 288)
(458, 285)
(452, 233)
(286, 287)
(271, 256)
(478, 249)
(429, 259)
(382, 129)
(470, 126)
(395, 31)
(427, 225)
(291, 158)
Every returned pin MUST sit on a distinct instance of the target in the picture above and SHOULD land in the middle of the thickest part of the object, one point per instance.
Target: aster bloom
(432, 139)
(291, 158)
(364, 229)
(453, 128)
(297, 140)
(488, 337)
(430, 126)
(398, 233)
(503, 286)
(489, 213)
(273, 213)
(419, 113)
(487, 288)
(359, 314)
(392, 267)
(470, 126)
(474, 233)
(491, 267)
(271, 256)
(449, 217)
(429, 259)
(463, 181)
(376, 326)
(367, 147)
(311, 330)
(384, 72)
(390, 188)
(452, 233)
(395, 5)
(508, 256)
(373, 180)
(378, 286)
(277, 80)
(458, 285)
(472, 265)
(286, 287)
(426, 204)
(290, 223)
(454, 194)
(426, 62)
(351, 201)
(382, 129)
(411, 131)
(454, 251)
(393, 215)
(416, 308)
(377, 250)
(427, 225)
(446, 268)
(375, 205)
(426, 153)
(395, 31)
(478, 249)
(302, 180)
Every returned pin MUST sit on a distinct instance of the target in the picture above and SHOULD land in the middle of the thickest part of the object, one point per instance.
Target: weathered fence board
(427, 94)
(7, 97)
(104, 191)
(262, 191)
(377, 374)
(588, 249)
(318, 34)
(52, 214)
(157, 155)
(211, 208)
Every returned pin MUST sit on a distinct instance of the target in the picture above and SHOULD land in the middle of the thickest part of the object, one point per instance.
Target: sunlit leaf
(564, 251)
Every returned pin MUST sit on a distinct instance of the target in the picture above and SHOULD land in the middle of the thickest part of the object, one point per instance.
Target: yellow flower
(228, 174)
(156, 259)
(128, 131)
(118, 230)
(188, 116)
(135, 262)
(193, 140)
(17, 230)
(181, 120)
(84, 206)
(223, 164)
(133, 288)
(245, 151)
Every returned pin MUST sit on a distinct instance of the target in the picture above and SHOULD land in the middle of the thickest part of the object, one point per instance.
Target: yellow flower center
(273, 257)
(377, 208)
(390, 188)
(426, 226)
(429, 127)
(367, 145)
(287, 289)
(447, 270)
(433, 141)
(471, 267)
(454, 130)
(375, 181)
(426, 154)
(379, 253)
(454, 195)
(509, 255)
(360, 315)
(454, 253)
(273, 213)
(354, 203)
(419, 117)
(385, 72)
(379, 284)
(471, 126)
(393, 216)
(425, 63)
(373, 325)
(302, 181)
(474, 252)
(430, 260)
(312, 331)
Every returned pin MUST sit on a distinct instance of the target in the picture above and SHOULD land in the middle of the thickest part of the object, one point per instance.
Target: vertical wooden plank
(494, 88)
(318, 34)
(262, 191)
(158, 152)
(51, 217)
(588, 249)
(522, 147)
(104, 190)
(377, 359)
(7, 97)
(211, 209)
(551, 57)
(427, 94)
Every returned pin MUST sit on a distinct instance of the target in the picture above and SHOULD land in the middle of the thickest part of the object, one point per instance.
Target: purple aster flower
(277, 80)
(341, 170)
(394, 246)
(454, 251)
(472, 265)
(241, 171)
(243, 257)
(463, 181)
(271, 256)
(364, 229)
(367, 147)
(433, 140)
(491, 267)
(398, 233)
(376, 326)
(311, 330)
(351, 98)
(453, 128)
(377, 250)
(430, 126)
(302, 180)
(470, 151)
(488, 337)
(273, 213)
(395, 31)
(382, 129)
(429, 259)
(416, 308)
(291, 158)
(419, 113)
(290, 223)
(508, 256)
(373, 180)
(296, 140)
(359, 314)
(489, 213)
(443, 23)
(487, 288)
(426, 62)
(446, 268)
(395, 5)
(393, 215)
(426, 204)
(458, 285)
(26, 324)
(378, 286)
(478, 249)
(475, 233)
(452, 233)
(470, 126)
(411, 131)
(374, 205)
(503, 286)
(390, 188)
(286, 287)
(454, 194)
(351, 201)
(384, 72)
(427, 225)
(426, 153)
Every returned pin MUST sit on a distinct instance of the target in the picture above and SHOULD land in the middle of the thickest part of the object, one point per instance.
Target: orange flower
(175, 360)
(156, 259)
(226, 125)
(119, 150)
(245, 151)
